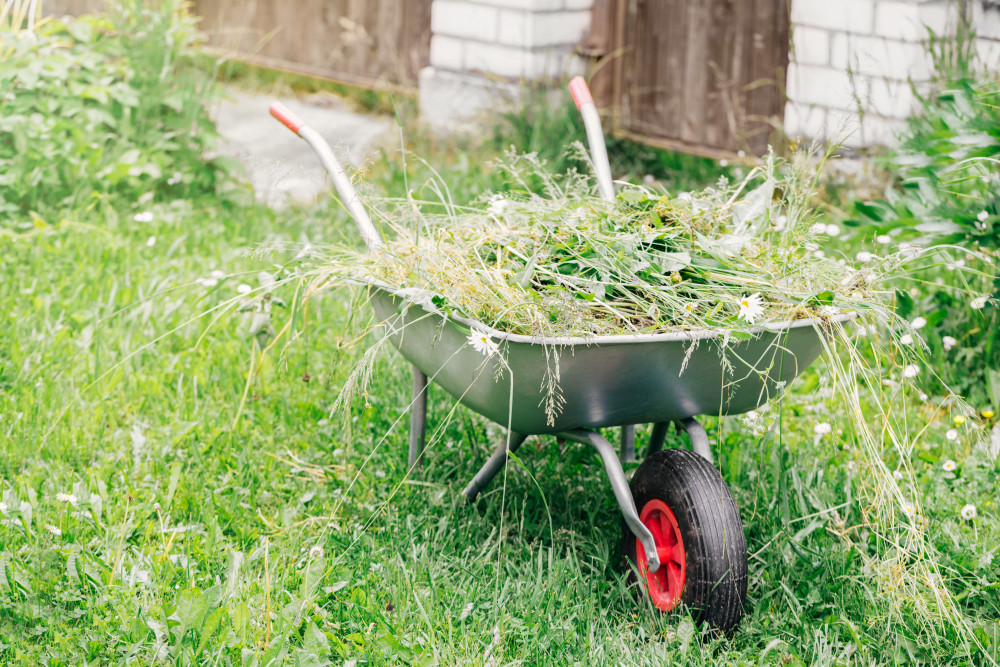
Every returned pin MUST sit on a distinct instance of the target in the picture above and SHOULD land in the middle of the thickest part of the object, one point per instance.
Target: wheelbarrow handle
(595, 136)
(337, 174)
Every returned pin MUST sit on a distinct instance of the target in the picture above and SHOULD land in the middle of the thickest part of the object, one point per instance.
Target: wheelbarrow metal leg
(493, 465)
(657, 437)
(628, 444)
(620, 486)
(699, 438)
(418, 417)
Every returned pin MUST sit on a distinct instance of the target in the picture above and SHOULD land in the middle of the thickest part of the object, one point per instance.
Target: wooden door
(357, 41)
(701, 76)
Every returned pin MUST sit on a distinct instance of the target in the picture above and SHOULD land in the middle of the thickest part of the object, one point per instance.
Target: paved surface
(281, 166)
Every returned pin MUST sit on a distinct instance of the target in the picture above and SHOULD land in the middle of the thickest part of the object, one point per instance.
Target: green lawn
(158, 506)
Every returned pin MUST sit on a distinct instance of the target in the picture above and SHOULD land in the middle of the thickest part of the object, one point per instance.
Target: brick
(879, 57)
(988, 52)
(810, 46)
(878, 131)
(526, 5)
(896, 19)
(533, 30)
(464, 19)
(890, 99)
(498, 59)
(824, 86)
(986, 21)
(855, 16)
(514, 28)
(579, 4)
(804, 121)
(447, 53)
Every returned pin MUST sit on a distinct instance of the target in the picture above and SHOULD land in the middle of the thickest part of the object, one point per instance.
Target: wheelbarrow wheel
(684, 502)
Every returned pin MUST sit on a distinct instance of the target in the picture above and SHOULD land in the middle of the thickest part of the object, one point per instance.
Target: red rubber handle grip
(287, 117)
(581, 92)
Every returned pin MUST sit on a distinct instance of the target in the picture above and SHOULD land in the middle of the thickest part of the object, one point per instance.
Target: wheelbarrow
(682, 539)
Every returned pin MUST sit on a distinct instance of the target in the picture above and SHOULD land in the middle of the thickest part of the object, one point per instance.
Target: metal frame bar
(418, 418)
(493, 465)
(628, 444)
(699, 438)
(619, 484)
(657, 437)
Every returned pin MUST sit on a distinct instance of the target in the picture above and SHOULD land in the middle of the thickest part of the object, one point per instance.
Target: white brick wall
(480, 40)
(854, 64)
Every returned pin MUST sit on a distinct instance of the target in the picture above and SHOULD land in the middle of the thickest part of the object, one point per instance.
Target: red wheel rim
(667, 583)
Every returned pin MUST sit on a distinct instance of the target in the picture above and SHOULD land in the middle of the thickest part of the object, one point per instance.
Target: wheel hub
(667, 583)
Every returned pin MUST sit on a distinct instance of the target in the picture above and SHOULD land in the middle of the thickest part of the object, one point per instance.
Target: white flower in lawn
(750, 307)
(817, 228)
(151, 241)
(217, 275)
(949, 466)
(982, 216)
(3, 507)
(832, 230)
(690, 307)
(968, 512)
(978, 302)
(923, 396)
(911, 370)
(949, 342)
(243, 288)
(918, 323)
(483, 343)
(822, 428)
(909, 509)
(497, 205)
(951, 434)
(864, 256)
(145, 216)
(897, 475)
(884, 239)
(810, 246)
(819, 254)
(175, 179)
(906, 339)
(66, 498)
(52, 529)
(315, 552)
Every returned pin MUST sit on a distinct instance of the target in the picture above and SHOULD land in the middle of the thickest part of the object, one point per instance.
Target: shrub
(105, 105)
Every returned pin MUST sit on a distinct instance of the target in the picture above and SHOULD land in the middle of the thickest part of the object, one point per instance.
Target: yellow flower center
(745, 303)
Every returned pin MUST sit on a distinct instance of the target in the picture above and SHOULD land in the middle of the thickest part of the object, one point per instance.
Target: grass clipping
(549, 258)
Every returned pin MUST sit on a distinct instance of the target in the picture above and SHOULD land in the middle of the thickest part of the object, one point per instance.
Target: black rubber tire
(715, 548)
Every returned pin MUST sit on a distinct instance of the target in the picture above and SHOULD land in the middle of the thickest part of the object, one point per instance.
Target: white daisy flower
(951, 434)
(949, 342)
(497, 205)
(832, 230)
(982, 216)
(923, 396)
(817, 228)
(151, 241)
(968, 512)
(243, 288)
(52, 529)
(145, 216)
(918, 323)
(906, 339)
(66, 498)
(822, 428)
(819, 254)
(207, 282)
(750, 307)
(315, 552)
(897, 475)
(864, 256)
(175, 179)
(884, 239)
(978, 302)
(949, 466)
(690, 307)
(909, 509)
(3, 507)
(483, 343)
(911, 370)
(217, 275)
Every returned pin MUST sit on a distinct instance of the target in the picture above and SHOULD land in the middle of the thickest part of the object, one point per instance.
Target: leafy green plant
(104, 106)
